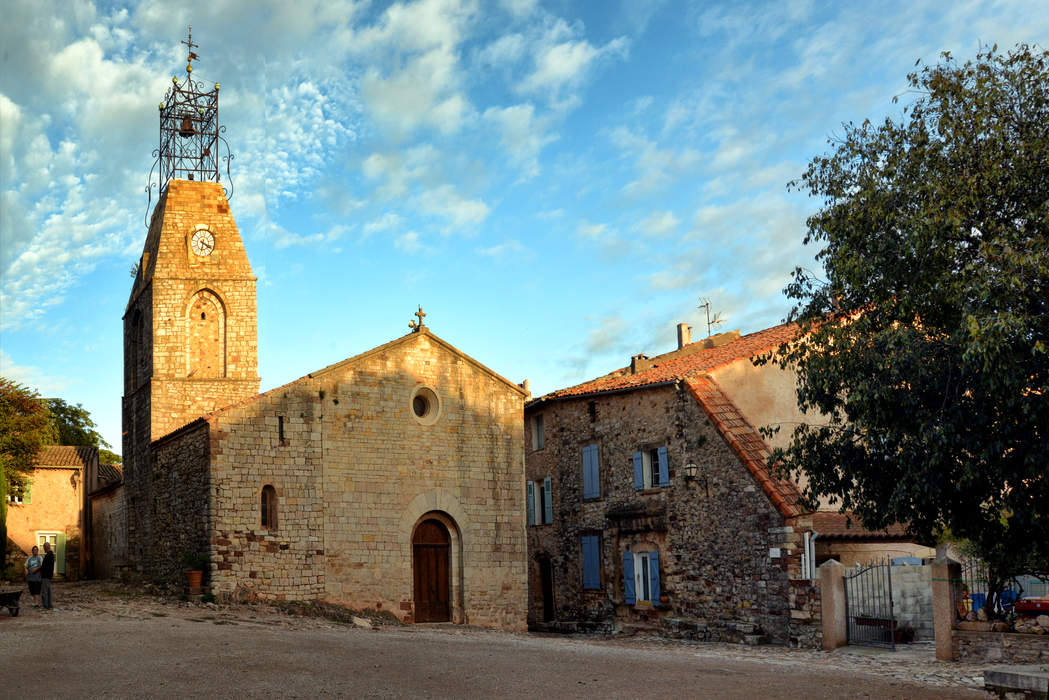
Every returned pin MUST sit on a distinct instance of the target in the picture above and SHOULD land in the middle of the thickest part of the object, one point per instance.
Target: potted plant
(195, 565)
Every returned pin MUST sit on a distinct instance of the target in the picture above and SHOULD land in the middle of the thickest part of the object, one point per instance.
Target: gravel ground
(107, 640)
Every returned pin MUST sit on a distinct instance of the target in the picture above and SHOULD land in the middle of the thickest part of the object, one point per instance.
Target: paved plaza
(104, 640)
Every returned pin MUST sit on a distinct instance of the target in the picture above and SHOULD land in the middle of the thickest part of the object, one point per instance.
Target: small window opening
(268, 507)
(420, 405)
(280, 429)
(203, 316)
(591, 408)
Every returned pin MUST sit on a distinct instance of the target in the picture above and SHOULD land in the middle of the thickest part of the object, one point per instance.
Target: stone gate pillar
(946, 573)
(832, 593)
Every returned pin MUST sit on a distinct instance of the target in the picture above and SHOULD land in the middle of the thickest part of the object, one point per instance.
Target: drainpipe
(810, 554)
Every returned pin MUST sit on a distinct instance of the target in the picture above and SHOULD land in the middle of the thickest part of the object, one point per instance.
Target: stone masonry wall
(108, 532)
(1004, 647)
(179, 510)
(356, 472)
(912, 599)
(169, 380)
(714, 533)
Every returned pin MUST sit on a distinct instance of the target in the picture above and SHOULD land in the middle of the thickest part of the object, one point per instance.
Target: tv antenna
(711, 322)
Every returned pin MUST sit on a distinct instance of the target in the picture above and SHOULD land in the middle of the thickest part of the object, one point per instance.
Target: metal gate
(868, 606)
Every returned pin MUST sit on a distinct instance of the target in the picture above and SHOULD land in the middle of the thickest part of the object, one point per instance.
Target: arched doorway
(431, 550)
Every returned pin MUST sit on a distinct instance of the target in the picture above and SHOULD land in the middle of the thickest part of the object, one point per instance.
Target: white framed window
(641, 577)
(651, 468)
(540, 502)
(57, 540)
(538, 436)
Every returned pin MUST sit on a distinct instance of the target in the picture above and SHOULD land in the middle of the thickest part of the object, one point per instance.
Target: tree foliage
(73, 426)
(926, 348)
(25, 425)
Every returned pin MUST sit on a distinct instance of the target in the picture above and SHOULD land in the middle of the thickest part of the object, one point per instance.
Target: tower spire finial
(190, 46)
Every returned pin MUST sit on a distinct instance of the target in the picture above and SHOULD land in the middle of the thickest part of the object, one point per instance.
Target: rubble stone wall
(1005, 647)
(108, 532)
(714, 533)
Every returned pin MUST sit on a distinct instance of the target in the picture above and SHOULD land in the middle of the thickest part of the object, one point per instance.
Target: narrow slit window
(268, 507)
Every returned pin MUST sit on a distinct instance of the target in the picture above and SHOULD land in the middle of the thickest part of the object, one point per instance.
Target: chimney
(684, 335)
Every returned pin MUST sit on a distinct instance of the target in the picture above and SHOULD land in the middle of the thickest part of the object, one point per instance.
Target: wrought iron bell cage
(190, 134)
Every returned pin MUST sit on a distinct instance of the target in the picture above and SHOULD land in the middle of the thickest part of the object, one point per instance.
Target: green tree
(926, 348)
(73, 426)
(25, 425)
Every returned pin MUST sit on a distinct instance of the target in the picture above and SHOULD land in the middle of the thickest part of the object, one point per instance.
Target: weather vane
(190, 45)
(417, 325)
(190, 134)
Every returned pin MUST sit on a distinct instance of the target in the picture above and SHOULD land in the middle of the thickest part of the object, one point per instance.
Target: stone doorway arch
(437, 569)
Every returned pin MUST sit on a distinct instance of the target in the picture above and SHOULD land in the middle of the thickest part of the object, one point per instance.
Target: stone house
(650, 502)
(49, 507)
(391, 480)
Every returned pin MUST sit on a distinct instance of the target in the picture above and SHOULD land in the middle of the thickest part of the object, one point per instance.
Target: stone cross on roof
(418, 325)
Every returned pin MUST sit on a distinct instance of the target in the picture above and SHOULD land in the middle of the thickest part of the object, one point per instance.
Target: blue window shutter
(653, 576)
(639, 472)
(530, 497)
(591, 566)
(27, 496)
(548, 490)
(591, 487)
(628, 578)
(664, 467)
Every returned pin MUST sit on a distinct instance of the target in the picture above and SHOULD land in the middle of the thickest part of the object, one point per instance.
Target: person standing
(47, 572)
(32, 575)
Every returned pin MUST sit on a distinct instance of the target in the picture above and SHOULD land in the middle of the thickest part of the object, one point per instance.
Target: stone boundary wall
(1006, 647)
(805, 604)
(912, 599)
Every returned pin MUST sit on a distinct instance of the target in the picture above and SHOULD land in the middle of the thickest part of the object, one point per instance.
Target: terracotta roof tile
(847, 526)
(746, 442)
(109, 473)
(65, 456)
(669, 367)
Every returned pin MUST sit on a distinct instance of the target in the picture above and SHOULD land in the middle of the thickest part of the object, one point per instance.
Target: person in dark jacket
(47, 572)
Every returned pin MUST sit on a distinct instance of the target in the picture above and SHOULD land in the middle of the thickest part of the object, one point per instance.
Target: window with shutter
(591, 473)
(651, 468)
(642, 584)
(591, 563)
(629, 595)
(548, 500)
(530, 501)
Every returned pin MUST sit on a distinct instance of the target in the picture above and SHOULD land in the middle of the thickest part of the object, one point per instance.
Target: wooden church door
(431, 547)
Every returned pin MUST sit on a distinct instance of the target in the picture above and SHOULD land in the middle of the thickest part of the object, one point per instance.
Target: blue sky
(557, 183)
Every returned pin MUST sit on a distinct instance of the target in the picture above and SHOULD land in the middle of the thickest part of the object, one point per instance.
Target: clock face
(202, 242)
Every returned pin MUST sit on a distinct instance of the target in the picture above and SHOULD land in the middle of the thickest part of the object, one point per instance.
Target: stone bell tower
(190, 337)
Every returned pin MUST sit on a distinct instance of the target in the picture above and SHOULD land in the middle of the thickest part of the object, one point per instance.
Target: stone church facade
(391, 480)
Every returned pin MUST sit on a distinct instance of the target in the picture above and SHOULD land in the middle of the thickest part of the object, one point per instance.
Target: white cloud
(389, 220)
(658, 224)
(509, 248)
(446, 201)
(409, 242)
(591, 232)
(32, 377)
(656, 167)
(562, 63)
(523, 135)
